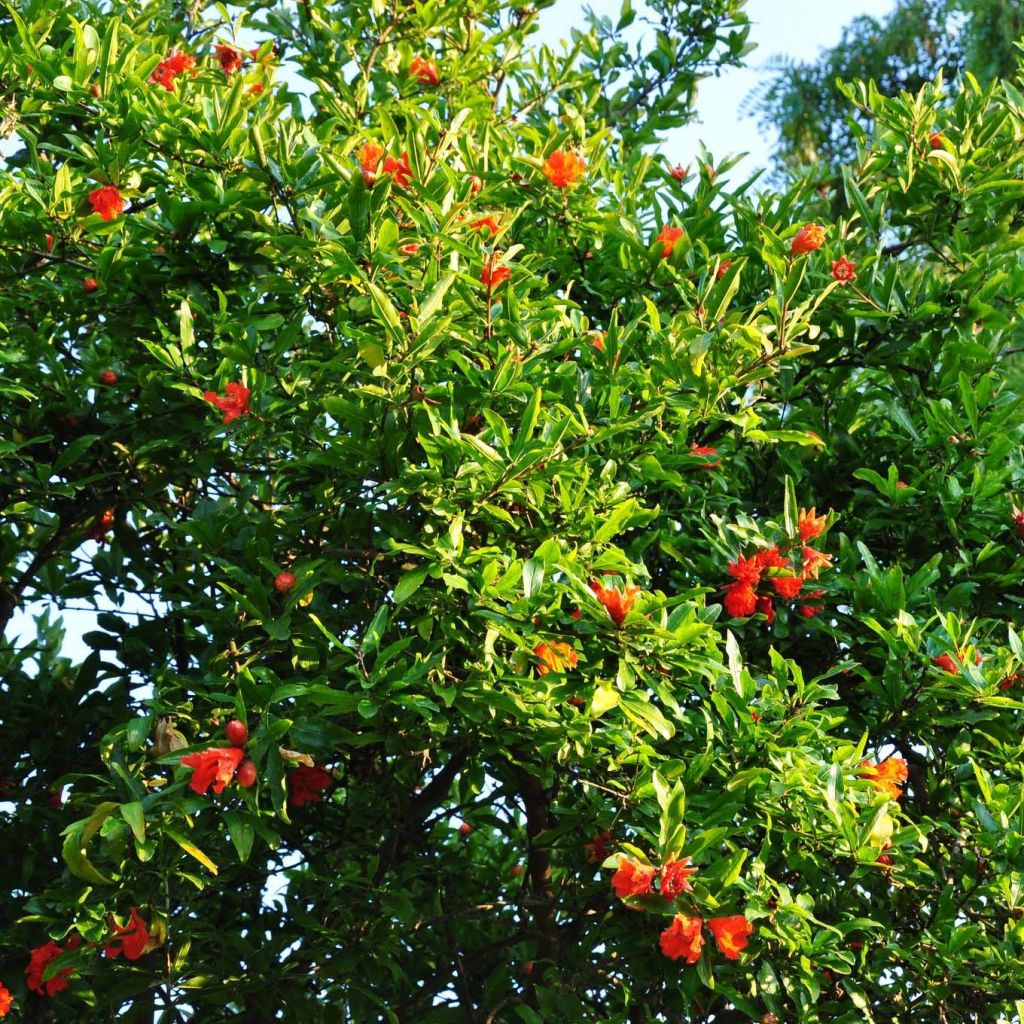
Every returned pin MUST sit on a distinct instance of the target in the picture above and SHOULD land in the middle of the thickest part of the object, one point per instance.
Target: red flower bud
(465, 828)
(90, 284)
(284, 582)
(108, 377)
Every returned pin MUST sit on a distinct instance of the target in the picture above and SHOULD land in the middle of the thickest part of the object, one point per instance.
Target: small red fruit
(238, 734)
(246, 773)
(90, 284)
(284, 582)
(475, 184)
(108, 377)
(516, 871)
(465, 828)
(96, 91)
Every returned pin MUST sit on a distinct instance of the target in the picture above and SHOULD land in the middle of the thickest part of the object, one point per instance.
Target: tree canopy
(536, 581)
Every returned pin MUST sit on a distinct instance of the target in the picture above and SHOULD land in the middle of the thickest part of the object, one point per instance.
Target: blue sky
(795, 28)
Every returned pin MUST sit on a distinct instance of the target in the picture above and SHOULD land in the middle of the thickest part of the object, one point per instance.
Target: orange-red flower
(490, 222)
(707, 452)
(675, 877)
(731, 934)
(813, 562)
(740, 599)
(597, 339)
(844, 271)
(1018, 521)
(235, 404)
(808, 238)
(808, 611)
(106, 201)
(766, 606)
(369, 156)
(683, 939)
(6, 1000)
(101, 526)
(564, 169)
(130, 939)
(786, 586)
(632, 878)
(668, 238)
(494, 273)
(618, 602)
(678, 172)
(230, 58)
(810, 524)
(555, 657)
(306, 785)
(597, 848)
(170, 67)
(936, 139)
(746, 570)
(723, 268)
(40, 958)
(214, 767)
(886, 777)
(400, 168)
(771, 558)
(424, 70)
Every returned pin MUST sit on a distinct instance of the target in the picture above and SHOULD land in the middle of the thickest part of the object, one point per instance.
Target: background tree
(804, 104)
(445, 462)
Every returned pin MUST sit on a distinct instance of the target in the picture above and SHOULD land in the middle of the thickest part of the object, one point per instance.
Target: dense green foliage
(804, 103)
(447, 468)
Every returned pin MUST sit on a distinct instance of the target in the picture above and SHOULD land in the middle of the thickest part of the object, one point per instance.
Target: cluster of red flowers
(6, 1000)
(370, 155)
(887, 777)
(684, 936)
(170, 67)
(216, 767)
(773, 565)
(234, 404)
(130, 940)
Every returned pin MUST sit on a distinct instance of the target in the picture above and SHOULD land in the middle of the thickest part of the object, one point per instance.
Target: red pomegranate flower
(6, 1000)
(766, 606)
(668, 238)
(235, 404)
(40, 958)
(306, 785)
(936, 139)
(808, 611)
(708, 453)
(886, 777)
(810, 524)
(214, 767)
(740, 599)
(490, 222)
(230, 58)
(106, 201)
(632, 878)
(813, 562)
(807, 239)
(424, 71)
(678, 172)
(564, 169)
(844, 271)
(494, 273)
(683, 939)
(619, 603)
(369, 156)
(555, 657)
(675, 877)
(731, 934)
(400, 169)
(597, 848)
(170, 67)
(130, 939)
(101, 526)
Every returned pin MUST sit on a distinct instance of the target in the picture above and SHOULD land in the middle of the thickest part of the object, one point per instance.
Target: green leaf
(242, 833)
(191, 849)
(409, 584)
(133, 814)
(77, 837)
